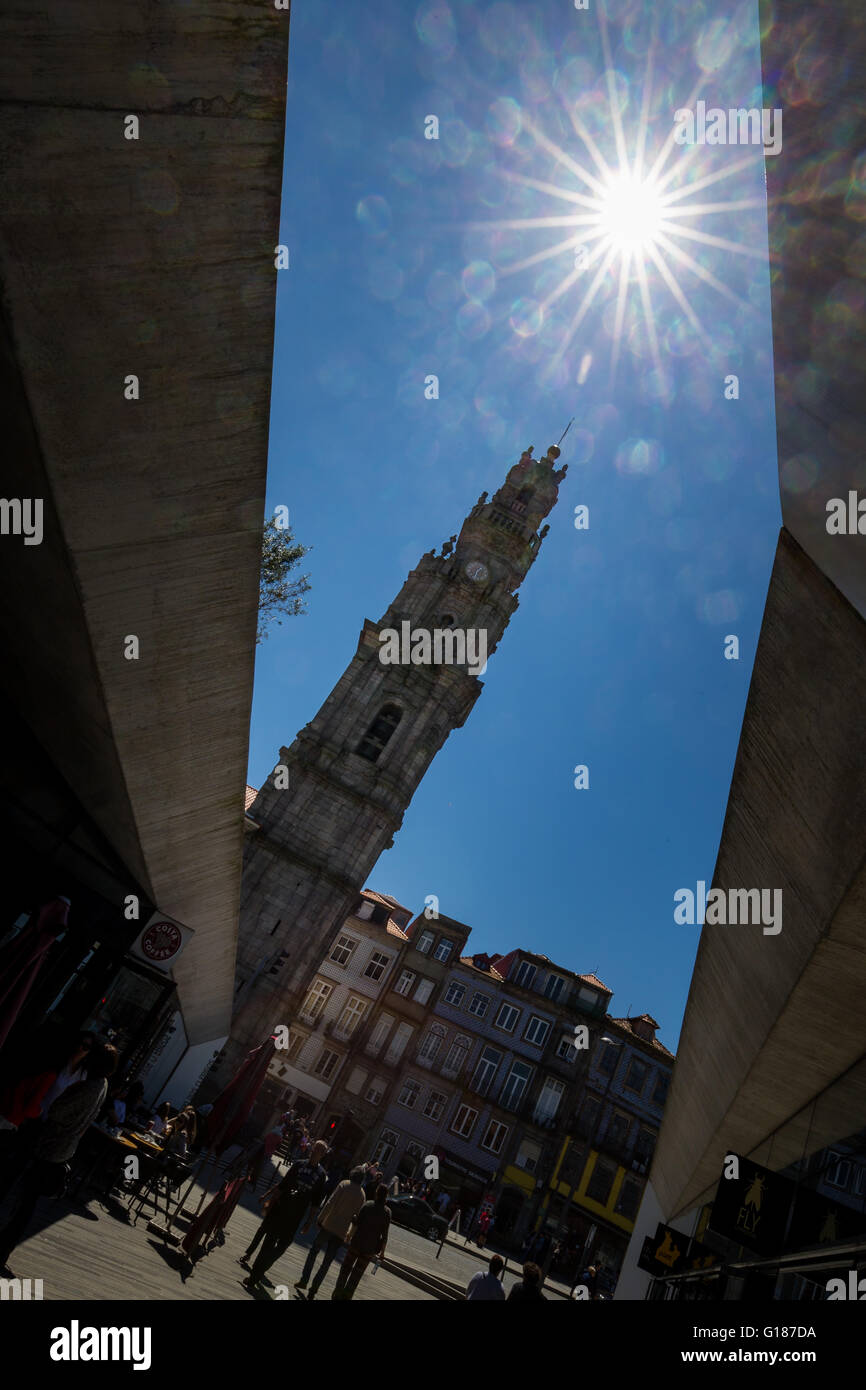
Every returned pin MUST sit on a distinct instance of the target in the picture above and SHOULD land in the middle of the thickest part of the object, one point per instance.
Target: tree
(277, 592)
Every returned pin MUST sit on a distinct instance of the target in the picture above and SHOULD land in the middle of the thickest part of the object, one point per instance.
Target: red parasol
(22, 959)
(233, 1105)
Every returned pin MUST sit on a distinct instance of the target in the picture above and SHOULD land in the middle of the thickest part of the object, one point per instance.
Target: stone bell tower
(353, 770)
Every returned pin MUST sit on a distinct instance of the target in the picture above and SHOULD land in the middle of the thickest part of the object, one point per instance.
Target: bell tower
(339, 792)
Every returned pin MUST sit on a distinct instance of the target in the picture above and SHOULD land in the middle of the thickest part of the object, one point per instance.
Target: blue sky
(615, 657)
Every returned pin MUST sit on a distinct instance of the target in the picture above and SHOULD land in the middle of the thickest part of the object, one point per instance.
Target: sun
(631, 213)
(629, 222)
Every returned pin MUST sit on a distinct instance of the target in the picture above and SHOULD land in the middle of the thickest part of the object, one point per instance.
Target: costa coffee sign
(161, 941)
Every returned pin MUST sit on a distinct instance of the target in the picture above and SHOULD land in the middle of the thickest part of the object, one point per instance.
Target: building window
(635, 1077)
(351, 1016)
(377, 966)
(547, 1103)
(607, 1057)
(494, 1137)
(436, 1102)
(838, 1170)
(425, 941)
(644, 1147)
(316, 1000)
(398, 1043)
(601, 1181)
(566, 1049)
(295, 1045)
(660, 1091)
(383, 1151)
(528, 1155)
(409, 1094)
(443, 950)
(379, 1034)
(554, 987)
(343, 949)
(423, 992)
(589, 1113)
(404, 984)
(355, 1083)
(588, 997)
(464, 1121)
(507, 1018)
(860, 1182)
(379, 732)
(628, 1201)
(327, 1064)
(457, 1054)
(512, 1092)
(375, 1090)
(478, 1004)
(618, 1128)
(537, 1030)
(525, 974)
(486, 1070)
(454, 994)
(408, 1165)
(431, 1043)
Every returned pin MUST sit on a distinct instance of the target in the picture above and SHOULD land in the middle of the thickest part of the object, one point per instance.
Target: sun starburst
(628, 221)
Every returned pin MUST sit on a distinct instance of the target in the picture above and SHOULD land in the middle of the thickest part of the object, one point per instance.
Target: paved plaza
(91, 1249)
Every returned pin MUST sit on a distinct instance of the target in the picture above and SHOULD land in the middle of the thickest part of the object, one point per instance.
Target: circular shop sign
(161, 941)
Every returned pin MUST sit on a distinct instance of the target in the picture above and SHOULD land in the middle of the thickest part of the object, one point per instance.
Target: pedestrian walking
(59, 1137)
(368, 1235)
(286, 1205)
(529, 1289)
(483, 1228)
(487, 1286)
(333, 1220)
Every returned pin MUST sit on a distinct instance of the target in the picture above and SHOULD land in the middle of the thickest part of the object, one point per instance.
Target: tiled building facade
(508, 1070)
(598, 1183)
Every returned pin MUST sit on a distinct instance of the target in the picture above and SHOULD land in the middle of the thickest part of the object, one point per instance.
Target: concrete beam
(152, 257)
(773, 1020)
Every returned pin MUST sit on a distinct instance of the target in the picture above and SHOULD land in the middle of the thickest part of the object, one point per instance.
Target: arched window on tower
(522, 500)
(379, 732)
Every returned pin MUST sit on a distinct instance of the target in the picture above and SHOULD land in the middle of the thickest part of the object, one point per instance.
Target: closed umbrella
(21, 960)
(232, 1107)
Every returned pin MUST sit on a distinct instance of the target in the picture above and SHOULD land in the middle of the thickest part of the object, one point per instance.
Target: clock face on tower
(475, 570)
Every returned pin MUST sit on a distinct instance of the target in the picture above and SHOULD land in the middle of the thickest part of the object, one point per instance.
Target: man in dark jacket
(368, 1235)
(287, 1203)
(529, 1291)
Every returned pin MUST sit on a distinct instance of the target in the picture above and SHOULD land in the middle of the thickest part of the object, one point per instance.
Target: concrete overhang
(152, 257)
(772, 1021)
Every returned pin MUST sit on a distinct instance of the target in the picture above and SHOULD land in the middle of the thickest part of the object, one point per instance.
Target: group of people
(352, 1214)
(487, 1287)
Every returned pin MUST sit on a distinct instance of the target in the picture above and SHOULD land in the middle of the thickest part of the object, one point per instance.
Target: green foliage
(278, 593)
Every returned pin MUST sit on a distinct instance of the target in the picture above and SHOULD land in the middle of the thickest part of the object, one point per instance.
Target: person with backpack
(368, 1235)
(286, 1204)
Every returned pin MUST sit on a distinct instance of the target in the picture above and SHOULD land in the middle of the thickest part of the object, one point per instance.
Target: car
(418, 1215)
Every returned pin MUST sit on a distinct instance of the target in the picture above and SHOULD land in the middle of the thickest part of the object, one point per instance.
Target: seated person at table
(59, 1137)
(177, 1134)
(161, 1118)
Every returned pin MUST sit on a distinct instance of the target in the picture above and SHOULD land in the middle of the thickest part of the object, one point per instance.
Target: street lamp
(612, 1042)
